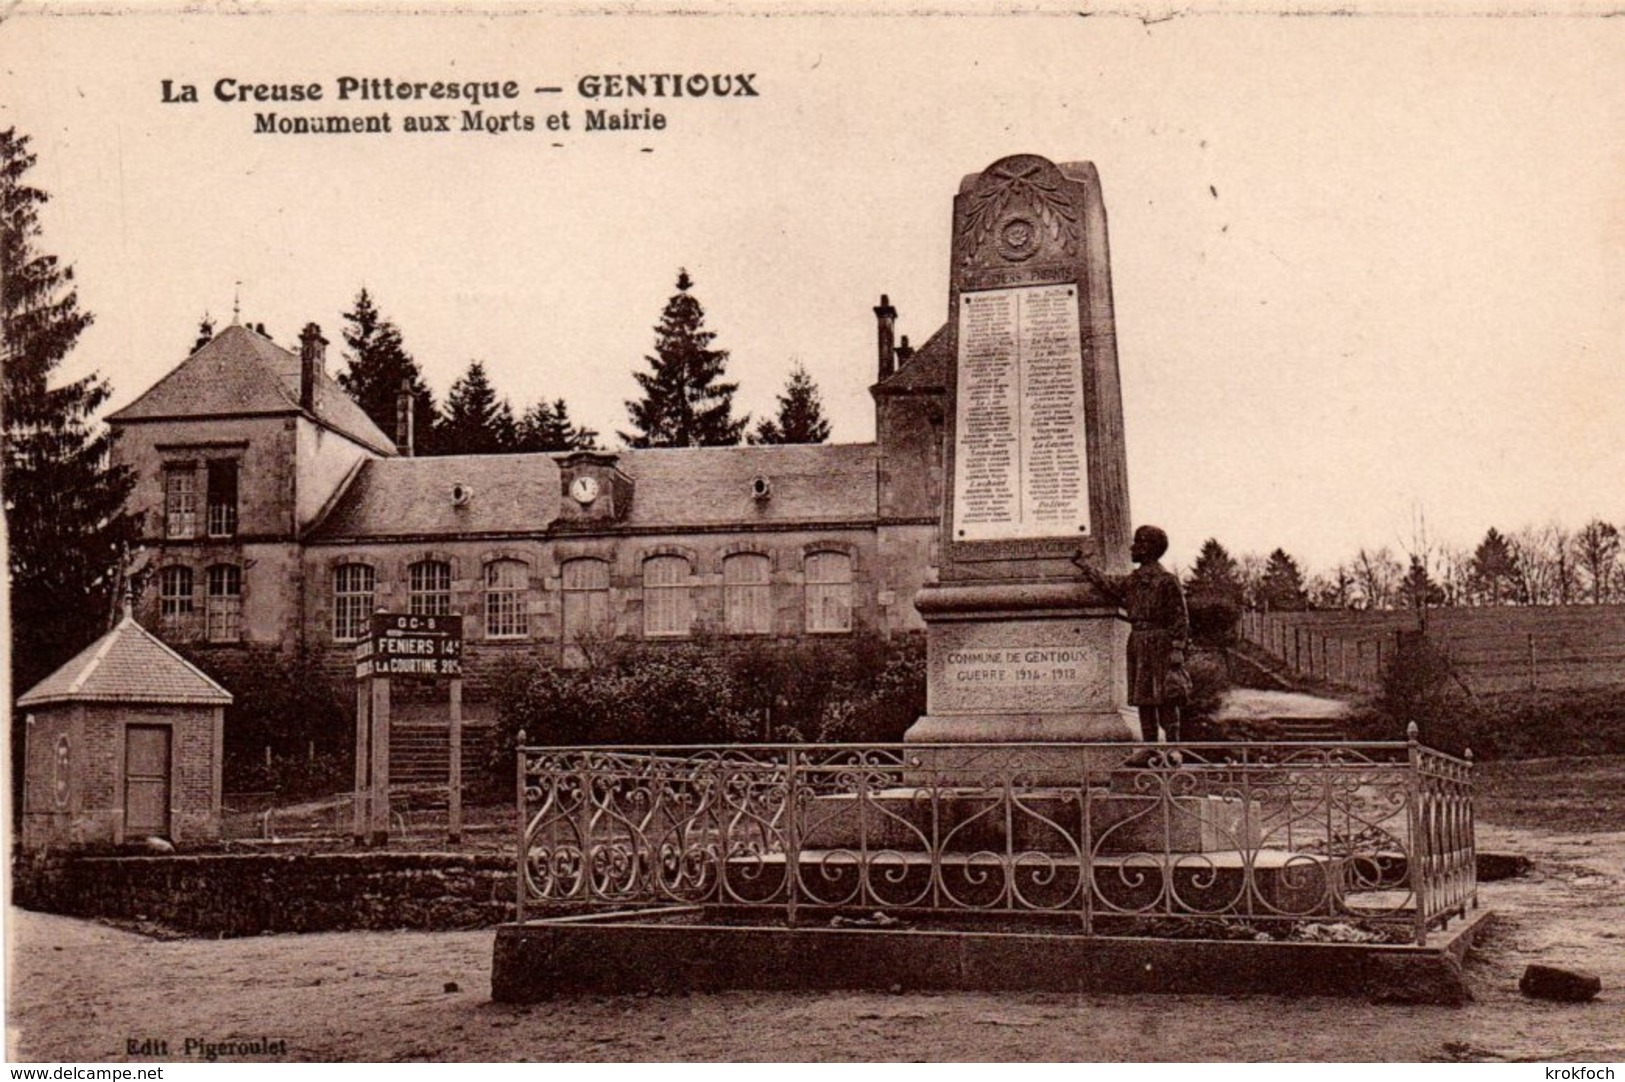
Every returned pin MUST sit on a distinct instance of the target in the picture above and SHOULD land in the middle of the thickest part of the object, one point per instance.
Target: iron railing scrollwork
(1237, 839)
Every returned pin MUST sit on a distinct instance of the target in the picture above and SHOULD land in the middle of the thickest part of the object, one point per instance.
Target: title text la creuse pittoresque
(357, 105)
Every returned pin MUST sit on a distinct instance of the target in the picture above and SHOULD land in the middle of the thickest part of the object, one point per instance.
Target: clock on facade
(584, 490)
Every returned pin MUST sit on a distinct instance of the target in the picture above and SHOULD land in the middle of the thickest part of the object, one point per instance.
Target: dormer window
(222, 507)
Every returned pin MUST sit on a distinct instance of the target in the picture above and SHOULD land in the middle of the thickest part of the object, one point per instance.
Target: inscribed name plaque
(1021, 465)
(1025, 666)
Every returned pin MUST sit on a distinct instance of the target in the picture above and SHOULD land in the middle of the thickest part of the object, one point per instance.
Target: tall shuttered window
(584, 584)
(829, 592)
(747, 594)
(667, 608)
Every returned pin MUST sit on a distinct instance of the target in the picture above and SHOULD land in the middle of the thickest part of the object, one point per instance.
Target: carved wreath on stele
(1019, 203)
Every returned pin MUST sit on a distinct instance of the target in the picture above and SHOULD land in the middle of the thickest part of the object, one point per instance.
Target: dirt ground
(81, 991)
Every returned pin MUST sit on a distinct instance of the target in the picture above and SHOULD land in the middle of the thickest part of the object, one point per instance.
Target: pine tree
(1419, 591)
(1495, 573)
(801, 413)
(377, 363)
(547, 427)
(475, 421)
(683, 404)
(1214, 595)
(1215, 572)
(1282, 587)
(63, 501)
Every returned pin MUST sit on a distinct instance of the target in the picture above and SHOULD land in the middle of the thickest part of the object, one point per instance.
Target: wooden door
(146, 781)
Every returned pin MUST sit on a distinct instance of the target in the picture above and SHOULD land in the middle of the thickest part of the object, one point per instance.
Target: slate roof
(401, 496)
(673, 489)
(242, 372)
(128, 664)
(928, 368)
(683, 488)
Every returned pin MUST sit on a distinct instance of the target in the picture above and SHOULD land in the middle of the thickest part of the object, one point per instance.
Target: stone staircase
(420, 753)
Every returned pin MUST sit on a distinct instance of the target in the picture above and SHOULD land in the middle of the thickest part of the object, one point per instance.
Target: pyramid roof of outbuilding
(128, 664)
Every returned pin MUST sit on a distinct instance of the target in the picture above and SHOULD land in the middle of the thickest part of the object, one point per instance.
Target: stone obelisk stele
(1019, 647)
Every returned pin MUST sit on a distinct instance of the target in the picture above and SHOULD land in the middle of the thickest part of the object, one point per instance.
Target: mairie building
(277, 517)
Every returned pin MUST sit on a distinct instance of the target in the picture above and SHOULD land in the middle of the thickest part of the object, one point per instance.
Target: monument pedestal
(1039, 662)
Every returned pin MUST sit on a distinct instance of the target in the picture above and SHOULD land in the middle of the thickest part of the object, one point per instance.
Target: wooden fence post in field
(1534, 676)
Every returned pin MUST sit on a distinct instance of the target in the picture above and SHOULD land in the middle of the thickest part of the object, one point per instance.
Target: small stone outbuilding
(124, 742)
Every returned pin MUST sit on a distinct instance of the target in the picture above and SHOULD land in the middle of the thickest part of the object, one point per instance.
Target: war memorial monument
(1021, 836)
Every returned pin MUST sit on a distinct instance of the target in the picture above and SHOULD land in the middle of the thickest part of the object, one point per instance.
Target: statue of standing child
(1159, 632)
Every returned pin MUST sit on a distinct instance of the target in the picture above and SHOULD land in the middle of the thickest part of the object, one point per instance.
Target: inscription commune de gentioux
(1018, 665)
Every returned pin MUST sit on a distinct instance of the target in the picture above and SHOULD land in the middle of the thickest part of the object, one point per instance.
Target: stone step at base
(1314, 729)
(1044, 821)
(1262, 882)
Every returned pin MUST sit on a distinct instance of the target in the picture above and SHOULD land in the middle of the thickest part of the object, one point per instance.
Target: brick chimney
(404, 418)
(886, 326)
(312, 359)
(904, 352)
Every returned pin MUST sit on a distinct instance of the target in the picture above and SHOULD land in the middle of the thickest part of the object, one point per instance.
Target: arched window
(747, 594)
(176, 606)
(667, 611)
(506, 583)
(430, 582)
(584, 584)
(353, 586)
(223, 607)
(829, 592)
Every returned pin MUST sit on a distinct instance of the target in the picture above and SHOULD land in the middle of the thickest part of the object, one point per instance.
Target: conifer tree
(1282, 587)
(1216, 572)
(475, 421)
(64, 504)
(377, 363)
(1215, 594)
(1494, 568)
(801, 413)
(547, 427)
(683, 403)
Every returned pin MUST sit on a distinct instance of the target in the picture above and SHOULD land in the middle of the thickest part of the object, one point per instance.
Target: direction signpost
(402, 644)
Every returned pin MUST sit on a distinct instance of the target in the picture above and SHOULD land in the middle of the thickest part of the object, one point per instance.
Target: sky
(1369, 272)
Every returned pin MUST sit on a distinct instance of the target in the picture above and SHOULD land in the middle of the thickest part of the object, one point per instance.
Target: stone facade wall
(910, 427)
(888, 565)
(264, 448)
(253, 893)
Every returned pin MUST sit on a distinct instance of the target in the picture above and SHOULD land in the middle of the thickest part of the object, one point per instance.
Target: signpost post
(402, 644)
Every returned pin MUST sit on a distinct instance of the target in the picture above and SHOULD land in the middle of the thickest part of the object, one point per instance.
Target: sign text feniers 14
(408, 645)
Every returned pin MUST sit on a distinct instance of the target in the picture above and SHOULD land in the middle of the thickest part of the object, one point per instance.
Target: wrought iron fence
(1370, 840)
